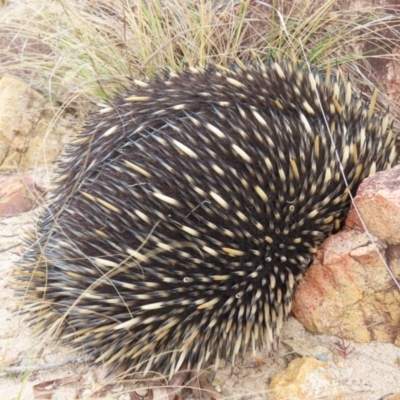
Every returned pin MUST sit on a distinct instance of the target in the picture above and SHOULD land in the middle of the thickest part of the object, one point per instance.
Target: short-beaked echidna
(190, 206)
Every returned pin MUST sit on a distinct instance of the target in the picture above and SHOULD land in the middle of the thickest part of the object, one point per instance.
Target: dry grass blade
(91, 48)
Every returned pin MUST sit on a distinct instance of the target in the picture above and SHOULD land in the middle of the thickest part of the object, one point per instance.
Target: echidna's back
(190, 206)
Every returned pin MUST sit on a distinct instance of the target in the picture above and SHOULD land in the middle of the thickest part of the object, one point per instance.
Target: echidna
(191, 205)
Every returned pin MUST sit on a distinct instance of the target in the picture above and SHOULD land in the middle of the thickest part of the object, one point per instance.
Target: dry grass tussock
(80, 51)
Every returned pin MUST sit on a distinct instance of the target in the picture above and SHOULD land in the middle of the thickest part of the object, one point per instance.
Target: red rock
(348, 290)
(19, 194)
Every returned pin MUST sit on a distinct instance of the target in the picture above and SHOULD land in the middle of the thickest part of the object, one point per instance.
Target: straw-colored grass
(89, 48)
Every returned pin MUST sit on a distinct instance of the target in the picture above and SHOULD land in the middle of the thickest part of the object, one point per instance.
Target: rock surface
(19, 194)
(28, 137)
(348, 291)
(303, 377)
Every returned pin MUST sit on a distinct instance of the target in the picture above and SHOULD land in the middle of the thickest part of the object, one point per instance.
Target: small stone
(305, 378)
(19, 194)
